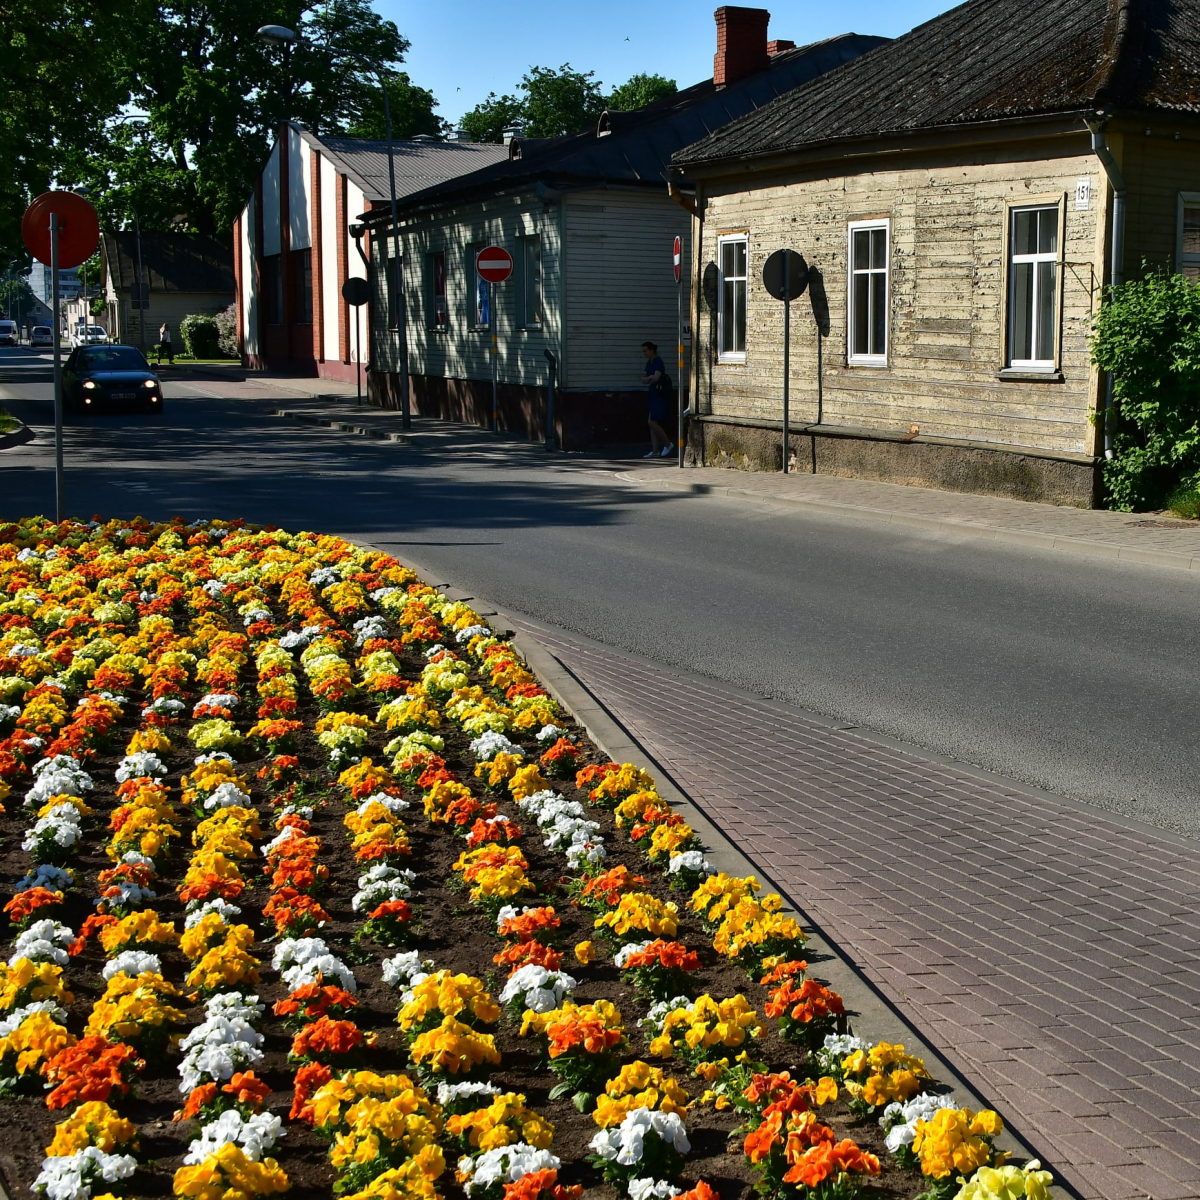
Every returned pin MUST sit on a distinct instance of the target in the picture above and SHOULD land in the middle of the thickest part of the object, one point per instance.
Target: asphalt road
(1072, 675)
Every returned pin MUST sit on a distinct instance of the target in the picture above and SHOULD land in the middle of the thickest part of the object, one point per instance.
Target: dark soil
(448, 929)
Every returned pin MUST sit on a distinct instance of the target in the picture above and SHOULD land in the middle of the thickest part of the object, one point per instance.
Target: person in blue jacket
(655, 375)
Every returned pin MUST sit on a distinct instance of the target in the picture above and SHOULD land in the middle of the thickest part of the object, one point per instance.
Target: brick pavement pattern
(1051, 954)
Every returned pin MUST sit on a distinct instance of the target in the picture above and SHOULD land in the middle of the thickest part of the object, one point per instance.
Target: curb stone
(875, 1012)
(341, 426)
(18, 437)
(1083, 547)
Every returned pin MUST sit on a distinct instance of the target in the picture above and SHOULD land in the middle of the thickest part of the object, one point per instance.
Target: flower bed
(310, 885)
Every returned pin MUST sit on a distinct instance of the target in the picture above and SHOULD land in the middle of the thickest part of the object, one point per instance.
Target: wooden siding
(461, 351)
(947, 300)
(1157, 166)
(620, 287)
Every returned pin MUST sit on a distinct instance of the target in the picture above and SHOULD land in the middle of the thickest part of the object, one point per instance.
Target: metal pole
(58, 396)
(142, 293)
(495, 353)
(401, 313)
(357, 360)
(787, 345)
(551, 433)
(679, 343)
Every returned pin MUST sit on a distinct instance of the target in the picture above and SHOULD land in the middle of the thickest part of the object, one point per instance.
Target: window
(477, 290)
(732, 255)
(531, 281)
(439, 316)
(391, 298)
(1188, 236)
(868, 301)
(1032, 287)
(302, 277)
(272, 287)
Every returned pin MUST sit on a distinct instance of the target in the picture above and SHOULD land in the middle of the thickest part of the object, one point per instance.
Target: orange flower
(529, 924)
(325, 1038)
(522, 954)
(826, 1158)
(397, 910)
(290, 909)
(590, 1033)
(206, 1093)
(24, 904)
(809, 1002)
(759, 1142)
(313, 1000)
(609, 885)
(246, 1088)
(93, 924)
(673, 955)
(502, 830)
(92, 1069)
(700, 1192)
(531, 1187)
(309, 1079)
(784, 970)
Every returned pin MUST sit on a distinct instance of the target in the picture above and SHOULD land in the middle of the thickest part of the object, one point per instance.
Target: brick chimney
(741, 43)
(778, 47)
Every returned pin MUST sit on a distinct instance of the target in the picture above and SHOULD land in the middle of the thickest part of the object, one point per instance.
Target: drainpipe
(1116, 254)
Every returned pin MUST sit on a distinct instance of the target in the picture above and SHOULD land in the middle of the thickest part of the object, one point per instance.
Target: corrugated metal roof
(419, 165)
(640, 145)
(174, 262)
(983, 61)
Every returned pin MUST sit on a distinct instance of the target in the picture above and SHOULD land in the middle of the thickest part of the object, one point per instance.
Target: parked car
(8, 334)
(90, 335)
(41, 335)
(104, 378)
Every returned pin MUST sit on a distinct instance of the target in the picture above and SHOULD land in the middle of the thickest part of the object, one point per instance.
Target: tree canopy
(552, 102)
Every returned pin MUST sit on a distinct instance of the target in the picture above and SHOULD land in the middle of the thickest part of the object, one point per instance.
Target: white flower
(368, 628)
(393, 804)
(227, 795)
(406, 969)
(257, 614)
(690, 860)
(165, 706)
(256, 1135)
(214, 587)
(541, 990)
(222, 908)
(325, 965)
(625, 1143)
(297, 950)
(223, 1044)
(140, 765)
(57, 781)
(488, 745)
(324, 576)
(653, 1020)
(550, 733)
(465, 635)
(74, 1176)
(569, 830)
(507, 1164)
(215, 756)
(54, 879)
(535, 805)
(447, 1093)
(844, 1043)
(589, 853)
(61, 825)
(623, 955)
(899, 1120)
(133, 963)
(382, 593)
(217, 700)
(44, 941)
(382, 883)
(651, 1189)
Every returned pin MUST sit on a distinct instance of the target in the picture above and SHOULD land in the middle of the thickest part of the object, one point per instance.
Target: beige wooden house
(953, 192)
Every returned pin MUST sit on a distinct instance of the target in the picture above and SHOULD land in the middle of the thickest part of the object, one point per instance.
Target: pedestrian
(655, 375)
(164, 344)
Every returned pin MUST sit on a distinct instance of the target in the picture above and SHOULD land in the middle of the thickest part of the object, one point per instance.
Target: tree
(487, 121)
(639, 90)
(412, 111)
(552, 103)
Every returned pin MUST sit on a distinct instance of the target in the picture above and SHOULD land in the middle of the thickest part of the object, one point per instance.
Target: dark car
(105, 378)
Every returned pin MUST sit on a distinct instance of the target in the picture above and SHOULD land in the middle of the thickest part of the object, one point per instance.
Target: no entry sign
(678, 259)
(78, 225)
(494, 264)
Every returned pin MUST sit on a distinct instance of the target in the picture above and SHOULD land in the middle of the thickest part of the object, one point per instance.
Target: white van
(8, 333)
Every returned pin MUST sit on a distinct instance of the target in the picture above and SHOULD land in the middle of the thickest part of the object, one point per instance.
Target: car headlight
(150, 383)
(89, 384)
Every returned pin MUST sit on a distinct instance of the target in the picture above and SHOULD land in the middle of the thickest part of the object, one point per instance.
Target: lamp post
(280, 35)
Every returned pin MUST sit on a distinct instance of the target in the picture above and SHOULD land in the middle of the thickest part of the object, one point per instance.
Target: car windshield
(94, 329)
(113, 358)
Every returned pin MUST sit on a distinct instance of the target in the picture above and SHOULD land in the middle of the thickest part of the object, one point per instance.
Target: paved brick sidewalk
(1049, 952)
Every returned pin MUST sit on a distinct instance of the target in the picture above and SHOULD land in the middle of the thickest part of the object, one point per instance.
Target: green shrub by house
(200, 335)
(1147, 336)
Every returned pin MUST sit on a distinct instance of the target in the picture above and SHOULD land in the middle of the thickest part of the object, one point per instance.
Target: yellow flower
(639, 912)
(453, 1047)
(446, 994)
(1008, 1183)
(93, 1123)
(585, 952)
(228, 1174)
(949, 1142)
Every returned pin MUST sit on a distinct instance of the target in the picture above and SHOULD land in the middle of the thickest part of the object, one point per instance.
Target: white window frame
(524, 242)
(853, 227)
(1182, 261)
(1054, 256)
(723, 240)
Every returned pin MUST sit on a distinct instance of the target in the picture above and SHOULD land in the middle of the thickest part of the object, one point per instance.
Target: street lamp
(280, 35)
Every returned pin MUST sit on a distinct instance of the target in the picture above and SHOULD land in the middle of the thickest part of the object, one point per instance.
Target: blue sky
(463, 49)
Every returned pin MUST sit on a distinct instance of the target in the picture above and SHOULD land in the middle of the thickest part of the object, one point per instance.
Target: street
(1068, 674)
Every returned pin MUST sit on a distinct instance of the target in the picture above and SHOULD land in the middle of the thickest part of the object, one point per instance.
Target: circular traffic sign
(78, 225)
(785, 275)
(494, 264)
(356, 291)
(678, 259)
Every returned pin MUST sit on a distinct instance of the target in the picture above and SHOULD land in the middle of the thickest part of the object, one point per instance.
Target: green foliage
(1147, 336)
(551, 103)
(200, 335)
(15, 294)
(487, 121)
(639, 90)
(412, 111)
(1184, 502)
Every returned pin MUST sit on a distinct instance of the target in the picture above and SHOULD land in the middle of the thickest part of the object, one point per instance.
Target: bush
(1147, 336)
(227, 331)
(199, 333)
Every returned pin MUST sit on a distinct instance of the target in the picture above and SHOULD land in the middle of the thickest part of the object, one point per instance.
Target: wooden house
(590, 223)
(962, 196)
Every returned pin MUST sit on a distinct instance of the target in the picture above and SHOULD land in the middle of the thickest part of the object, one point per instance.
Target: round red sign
(494, 264)
(78, 228)
(676, 250)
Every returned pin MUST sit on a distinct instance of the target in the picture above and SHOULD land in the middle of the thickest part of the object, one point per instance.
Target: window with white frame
(732, 258)
(531, 281)
(1033, 287)
(438, 315)
(1188, 237)
(868, 300)
(478, 295)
